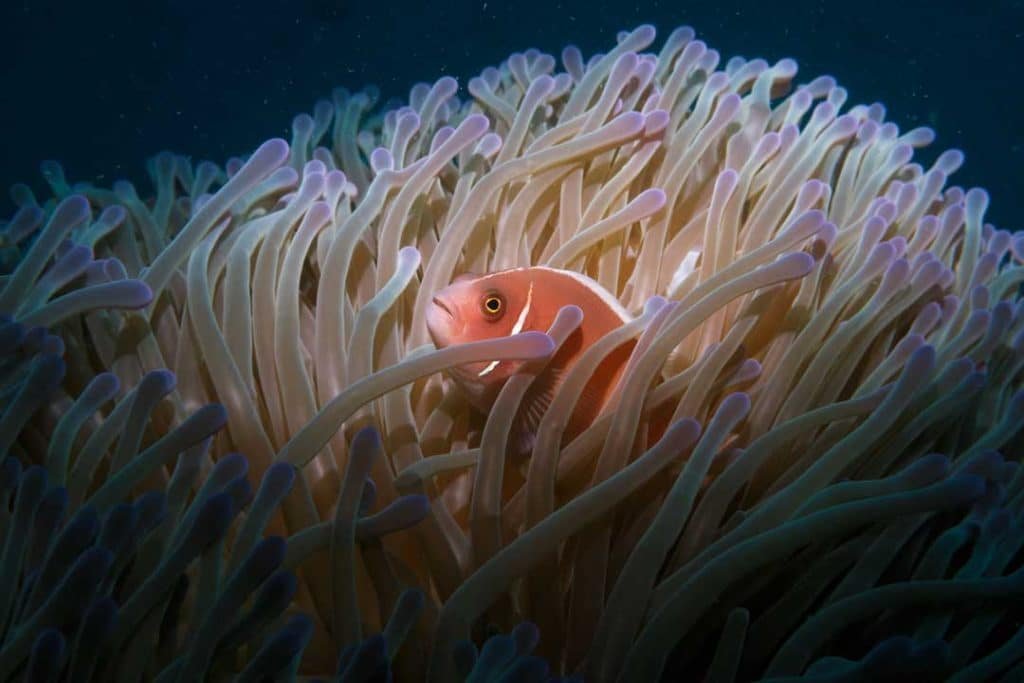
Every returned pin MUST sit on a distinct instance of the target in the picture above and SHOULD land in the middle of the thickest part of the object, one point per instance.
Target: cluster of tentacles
(231, 450)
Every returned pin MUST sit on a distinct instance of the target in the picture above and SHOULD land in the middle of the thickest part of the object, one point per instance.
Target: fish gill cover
(232, 453)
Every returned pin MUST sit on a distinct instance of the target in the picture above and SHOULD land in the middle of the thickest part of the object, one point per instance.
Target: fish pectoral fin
(523, 441)
(534, 406)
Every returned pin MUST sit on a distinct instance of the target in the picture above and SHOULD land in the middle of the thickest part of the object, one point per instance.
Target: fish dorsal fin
(607, 299)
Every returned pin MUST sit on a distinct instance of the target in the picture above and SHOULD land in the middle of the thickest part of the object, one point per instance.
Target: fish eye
(493, 304)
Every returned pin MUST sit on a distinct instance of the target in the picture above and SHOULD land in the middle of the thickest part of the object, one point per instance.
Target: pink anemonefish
(476, 307)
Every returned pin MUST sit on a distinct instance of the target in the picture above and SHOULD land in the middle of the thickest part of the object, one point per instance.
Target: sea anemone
(232, 450)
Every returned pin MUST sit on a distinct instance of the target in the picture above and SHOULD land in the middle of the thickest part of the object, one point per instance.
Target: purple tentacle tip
(52, 345)
(969, 488)
(32, 485)
(277, 480)
(381, 160)
(366, 440)
(206, 420)
(101, 614)
(797, 264)
(114, 270)
(265, 558)
(229, 467)
(526, 635)
(927, 470)
(314, 166)
(157, 383)
(83, 526)
(119, 527)
(211, 523)
(273, 152)
(33, 340)
(103, 386)
(72, 210)
(151, 507)
(302, 125)
(475, 125)
(446, 86)
(52, 508)
(276, 593)
(240, 491)
(46, 376)
(497, 653)
(131, 294)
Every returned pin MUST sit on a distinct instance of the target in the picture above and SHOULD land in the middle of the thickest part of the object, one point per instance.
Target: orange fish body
(476, 307)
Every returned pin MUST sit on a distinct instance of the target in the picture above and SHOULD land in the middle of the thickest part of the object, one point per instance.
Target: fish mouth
(441, 322)
(439, 302)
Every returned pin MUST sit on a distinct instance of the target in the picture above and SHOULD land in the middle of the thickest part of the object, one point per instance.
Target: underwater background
(234, 446)
(102, 86)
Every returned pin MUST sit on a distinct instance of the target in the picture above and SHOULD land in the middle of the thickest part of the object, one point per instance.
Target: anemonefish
(476, 307)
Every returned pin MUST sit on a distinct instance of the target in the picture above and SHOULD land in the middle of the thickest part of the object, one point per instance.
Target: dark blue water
(101, 86)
